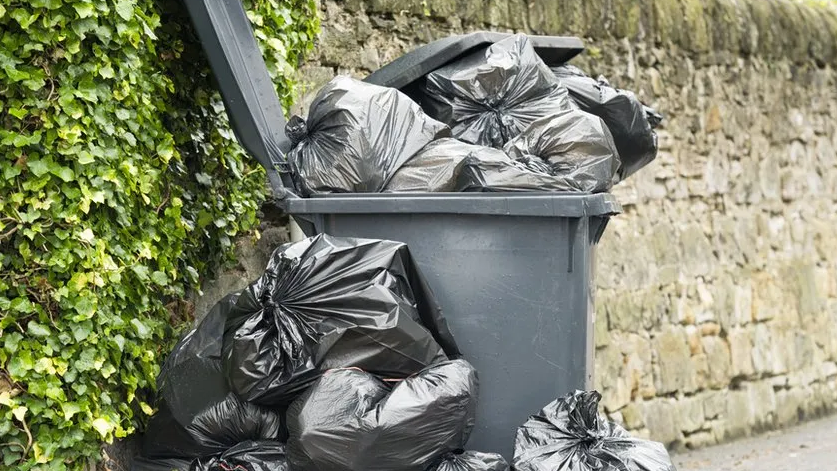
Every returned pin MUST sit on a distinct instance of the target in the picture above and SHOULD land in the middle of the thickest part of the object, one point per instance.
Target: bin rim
(538, 204)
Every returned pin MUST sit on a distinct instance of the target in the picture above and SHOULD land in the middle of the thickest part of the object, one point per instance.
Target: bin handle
(252, 105)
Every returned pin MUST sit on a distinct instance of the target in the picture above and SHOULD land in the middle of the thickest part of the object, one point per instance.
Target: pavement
(808, 447)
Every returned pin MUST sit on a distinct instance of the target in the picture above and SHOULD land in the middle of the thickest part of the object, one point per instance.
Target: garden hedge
(121, 186)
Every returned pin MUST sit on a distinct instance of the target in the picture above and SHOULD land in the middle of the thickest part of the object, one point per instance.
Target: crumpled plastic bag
(246, 456)
(570, 435)
(491, 96)
(472, 461)
(355, 137)
(329, 302)
(630, 122)
(350, 420)
(435, 169)
(197, 414)
(450, 165)
(169, 464)
(574, 145)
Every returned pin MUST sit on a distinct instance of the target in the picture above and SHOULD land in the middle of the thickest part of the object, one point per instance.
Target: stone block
(693, 335)
(768, 351)
(691, 414)
(765, 303)
(633, 416)
(610, 380)
(738, 416)
(700, 366)
(700, 440)
(763, 403)
(714, 404)
(637, 362)
(743, 305)
(719, 360)
(369, 58)
(828, 370)
(698, 258)
(676, 372)
(789, 407)
(662, 421)
(601, 330)
(741, 352)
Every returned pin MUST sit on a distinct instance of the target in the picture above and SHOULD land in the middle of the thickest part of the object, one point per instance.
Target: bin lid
(533, 204)
(412, 66)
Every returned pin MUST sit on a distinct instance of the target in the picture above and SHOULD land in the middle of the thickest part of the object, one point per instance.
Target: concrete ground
(808, 447)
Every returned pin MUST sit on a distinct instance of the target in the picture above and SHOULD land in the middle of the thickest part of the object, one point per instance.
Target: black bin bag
(492, 95)
(197, 414)
(169, 464)
(450, 165)
(356, 136)
(350, 420)
(329, 302)
(630, 122)
(570, 435)
(471, 461)
(246, 456)
(574, 145)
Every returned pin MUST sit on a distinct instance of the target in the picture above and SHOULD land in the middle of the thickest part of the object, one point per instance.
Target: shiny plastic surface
(246, 456)
(492, 95)
(350, 420)
(170, 464)
(197, 414)
(472, 461)
(574, 146)
(630, 122)
(570, 435)
(328, 302)
(356, 136)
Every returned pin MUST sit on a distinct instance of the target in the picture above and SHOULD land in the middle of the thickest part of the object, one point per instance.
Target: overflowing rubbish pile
(499, 119)
(338, 357)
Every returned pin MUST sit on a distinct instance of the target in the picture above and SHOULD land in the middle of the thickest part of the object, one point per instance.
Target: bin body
(514, 277)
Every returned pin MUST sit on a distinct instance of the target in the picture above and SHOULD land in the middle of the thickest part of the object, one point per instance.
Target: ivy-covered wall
(121, 187)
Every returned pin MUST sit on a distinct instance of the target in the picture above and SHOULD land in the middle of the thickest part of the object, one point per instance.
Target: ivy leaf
(64, 173)
(11, 172)
(142, 330)
(86, 361)
(203, 179)
(22, 305)
(87, 236)
(36, 329)
(19, 412)
(141, 272)
(159, 278)
(107, 72)
(82, 330)
(84, 9)
(19, 364)
(104, 427)
(85, 157)
(70, 409)
(2, 11)
(85, 307)
(11, 341)
(38, 167)
(24, 18)
(125, 9)
(86, 90)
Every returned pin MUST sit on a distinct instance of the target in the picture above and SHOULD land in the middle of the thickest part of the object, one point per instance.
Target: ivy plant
(121, 186)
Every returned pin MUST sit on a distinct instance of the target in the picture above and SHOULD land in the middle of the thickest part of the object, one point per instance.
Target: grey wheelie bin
(513, 271)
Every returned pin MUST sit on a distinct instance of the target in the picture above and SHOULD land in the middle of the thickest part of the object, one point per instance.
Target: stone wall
(717, 287)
